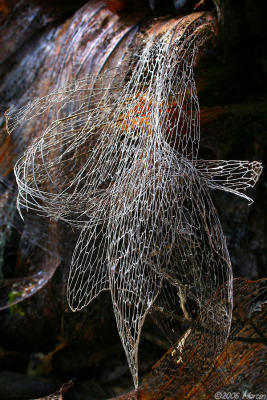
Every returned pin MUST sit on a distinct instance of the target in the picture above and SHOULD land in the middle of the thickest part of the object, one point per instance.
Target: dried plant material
(6, 154)
(119, 160)
(58, 395)
(239, 367)
(231, 176)
(14, 291)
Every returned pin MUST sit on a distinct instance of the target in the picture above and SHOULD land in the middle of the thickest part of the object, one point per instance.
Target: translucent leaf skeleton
(119, 161)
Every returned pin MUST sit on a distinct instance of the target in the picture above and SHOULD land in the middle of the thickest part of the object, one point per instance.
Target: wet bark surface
(42, 343)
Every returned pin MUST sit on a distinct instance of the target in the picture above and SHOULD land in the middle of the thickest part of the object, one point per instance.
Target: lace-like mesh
(187, 371)
(119, 161)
